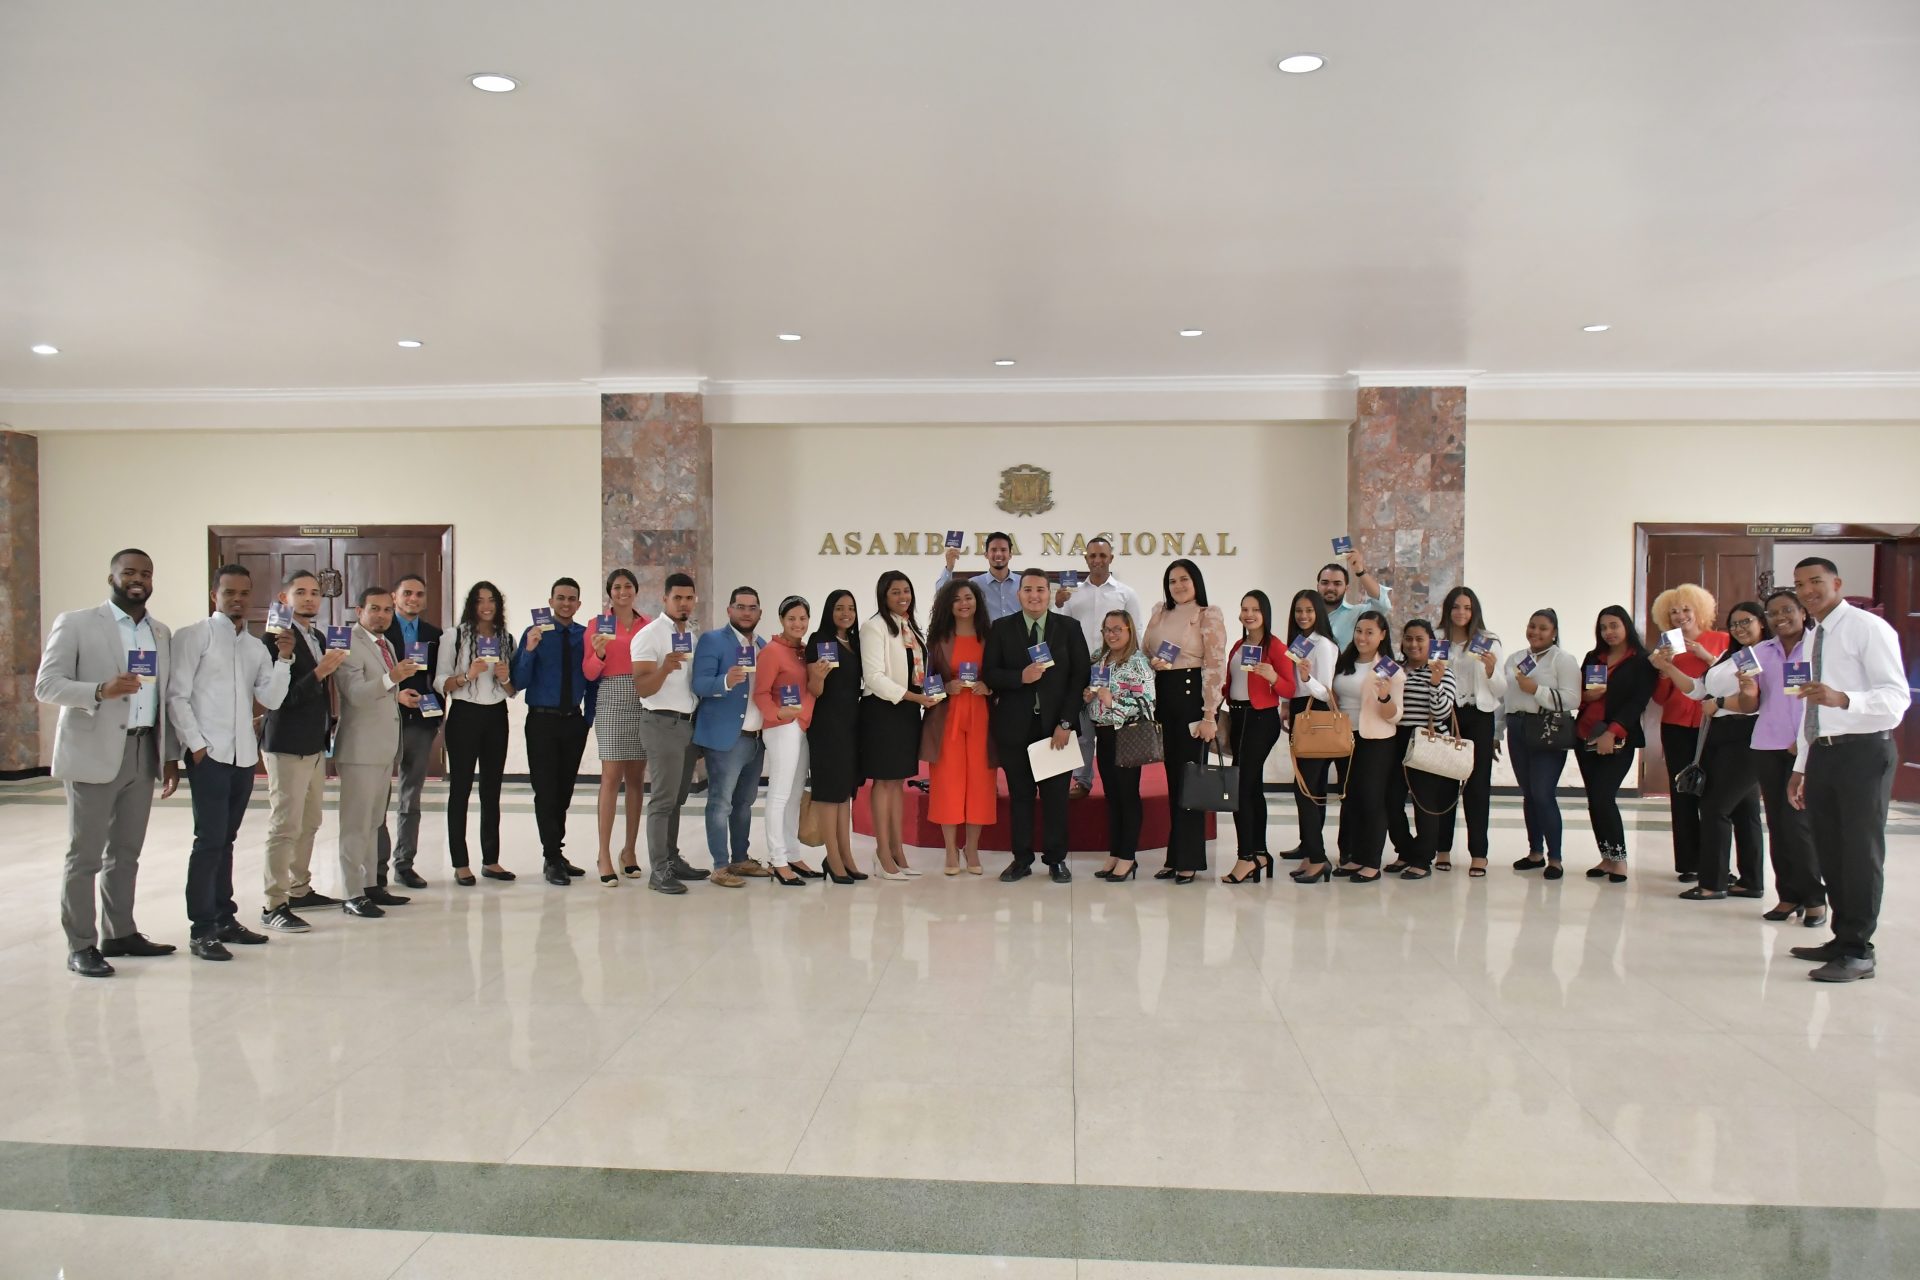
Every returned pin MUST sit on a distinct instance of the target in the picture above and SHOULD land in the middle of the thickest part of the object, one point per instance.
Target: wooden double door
(344, 558)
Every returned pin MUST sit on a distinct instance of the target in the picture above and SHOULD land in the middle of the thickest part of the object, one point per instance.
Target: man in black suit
(1035, 702)
(417, 732)
(294, 743)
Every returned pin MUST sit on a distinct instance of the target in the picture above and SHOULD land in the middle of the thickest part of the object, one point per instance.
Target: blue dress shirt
(536, 672)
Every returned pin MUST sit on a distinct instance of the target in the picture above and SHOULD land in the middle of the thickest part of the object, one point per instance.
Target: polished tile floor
(1474, 1042)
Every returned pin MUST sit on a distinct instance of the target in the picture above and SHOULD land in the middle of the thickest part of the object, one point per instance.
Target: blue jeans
(733, 779)
(1538, 775)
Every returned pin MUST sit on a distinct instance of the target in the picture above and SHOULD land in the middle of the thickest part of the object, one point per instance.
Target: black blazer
(1057, 693)
(303, 722)
(423, 678)
(1629, 686)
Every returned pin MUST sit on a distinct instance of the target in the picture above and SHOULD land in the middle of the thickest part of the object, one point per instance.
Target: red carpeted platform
(1086, 818)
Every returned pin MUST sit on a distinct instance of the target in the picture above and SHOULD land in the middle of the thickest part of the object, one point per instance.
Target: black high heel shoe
(1133, 869)
(1185, 877)
(1813, 921)
(797, 882)
(1322, 876)
(1785, 911)
(1357, 878)
(1164, 873)
(805, 872)
(1252, 875)
(837, 878)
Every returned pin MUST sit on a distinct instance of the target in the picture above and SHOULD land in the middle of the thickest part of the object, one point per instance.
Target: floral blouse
(1127, 707)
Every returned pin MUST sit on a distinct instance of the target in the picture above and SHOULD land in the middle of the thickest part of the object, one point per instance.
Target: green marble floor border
(1138, 1224)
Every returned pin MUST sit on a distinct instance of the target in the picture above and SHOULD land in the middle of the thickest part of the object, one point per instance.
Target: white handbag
(1443, 755)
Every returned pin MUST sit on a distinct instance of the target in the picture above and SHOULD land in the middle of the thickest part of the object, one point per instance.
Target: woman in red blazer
(1260, 683)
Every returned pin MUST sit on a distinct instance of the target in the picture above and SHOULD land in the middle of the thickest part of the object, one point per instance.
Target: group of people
(1007, 669)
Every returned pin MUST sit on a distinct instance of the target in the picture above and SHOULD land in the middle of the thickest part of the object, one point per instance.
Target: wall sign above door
(1792, 530)
(329, 530)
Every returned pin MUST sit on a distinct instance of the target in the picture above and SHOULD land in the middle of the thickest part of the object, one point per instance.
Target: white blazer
(885, 668)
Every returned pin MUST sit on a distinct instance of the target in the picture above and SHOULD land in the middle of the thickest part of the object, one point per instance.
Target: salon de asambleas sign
(1027, 490)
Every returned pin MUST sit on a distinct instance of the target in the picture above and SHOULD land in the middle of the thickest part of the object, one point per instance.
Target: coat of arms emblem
(1025, 490)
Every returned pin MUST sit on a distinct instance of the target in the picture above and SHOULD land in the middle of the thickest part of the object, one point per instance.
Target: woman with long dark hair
(1730, 699)
(1428, 704)
(1187, 688)
(893, 667)
(1313, 653)
(1259, 683)
(833, 737)
(1616, 681)
(954, 738)
(1543, 677)
(475, 678)
(1374, 700)
(616, 722)
(1474, 655)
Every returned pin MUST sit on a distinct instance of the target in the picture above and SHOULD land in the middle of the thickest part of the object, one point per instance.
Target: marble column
(19, 601)
(1407, 491)
(656, 493)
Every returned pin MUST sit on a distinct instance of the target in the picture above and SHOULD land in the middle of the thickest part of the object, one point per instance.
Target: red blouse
(1676, 708)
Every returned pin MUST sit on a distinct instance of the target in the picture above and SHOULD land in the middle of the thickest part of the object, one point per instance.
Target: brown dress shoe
(724, 877)
(749, 867)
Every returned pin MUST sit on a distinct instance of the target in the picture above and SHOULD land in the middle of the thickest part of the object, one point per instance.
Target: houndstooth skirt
(616, 720)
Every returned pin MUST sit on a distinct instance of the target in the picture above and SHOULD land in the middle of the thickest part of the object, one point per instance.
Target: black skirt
(833, 750)
(889, 739)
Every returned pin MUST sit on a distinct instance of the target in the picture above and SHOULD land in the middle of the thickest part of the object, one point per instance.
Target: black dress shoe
(381, 898)
(686, 871)
(136, 944)
(1016, 871)
(556, 874)
(311, 900)
(1686, 877)
(1059, 874)
(1292, 855)
(209, 948)
(573, 871)
(1823, 953)
(1843, 969)
(408, 877)
(235, 932)
(365, 908)
(502, 874)
(665, 884)
(89, 963)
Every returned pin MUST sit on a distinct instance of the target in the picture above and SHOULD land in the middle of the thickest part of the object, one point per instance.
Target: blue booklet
(1099, 675)
(828, 651)
(1386, 668)
(1251, 655)
(1481, 643)
(1795, 675)
(934, 687)
(969, 673)
(1440, 650)
(1596, 674)
(340, 637)
(1040, 653)
(487, 647)
(1343, 545)
(417, 653)
(1168, 651)
(1526, 664)
(745, 657)
(1069, 578)
(430, 706)
(279, 618)
(543, 619)
(1301, 645)
(144, 663)
(683, 642)
(789, 695)
(955, 538)
(1746, 663)
(605, 625)
(1675, 640)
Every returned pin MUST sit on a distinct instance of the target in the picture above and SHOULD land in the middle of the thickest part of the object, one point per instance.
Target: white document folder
(1048, 763)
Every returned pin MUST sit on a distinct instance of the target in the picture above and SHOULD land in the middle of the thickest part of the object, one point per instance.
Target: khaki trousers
(296, 788)
(365, 790)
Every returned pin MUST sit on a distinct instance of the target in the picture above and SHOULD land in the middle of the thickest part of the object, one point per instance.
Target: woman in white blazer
(1542, 677)
(892, 669)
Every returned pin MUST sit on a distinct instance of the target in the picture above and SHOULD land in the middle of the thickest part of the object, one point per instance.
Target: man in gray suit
(366, 749)
(113, 742)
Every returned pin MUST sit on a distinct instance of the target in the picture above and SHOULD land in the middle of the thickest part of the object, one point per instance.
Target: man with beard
(295, 739)
(1349, 591)
(417, 731)
(998, 584)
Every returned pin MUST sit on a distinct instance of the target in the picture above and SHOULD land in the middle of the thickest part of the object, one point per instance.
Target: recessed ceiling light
(45, 349)
(411, 343)
(1003, 363)
(789, 337)
(1595, 328)
(1298, 64)
(493, 82)
(1191, 333)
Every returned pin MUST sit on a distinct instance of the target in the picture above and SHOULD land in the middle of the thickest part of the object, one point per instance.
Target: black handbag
(1137, 744)
(1692, 779)
(1205, 787)
(1552, 730)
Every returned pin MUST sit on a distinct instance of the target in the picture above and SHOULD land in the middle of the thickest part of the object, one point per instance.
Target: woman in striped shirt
(1428, 702)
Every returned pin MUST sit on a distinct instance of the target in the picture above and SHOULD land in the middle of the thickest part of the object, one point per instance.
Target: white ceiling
(236, 194)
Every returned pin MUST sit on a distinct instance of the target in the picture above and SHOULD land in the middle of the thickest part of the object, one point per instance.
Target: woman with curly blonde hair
(1690, 609)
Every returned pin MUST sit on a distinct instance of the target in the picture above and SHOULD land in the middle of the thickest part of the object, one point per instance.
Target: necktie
(566, 669)
(386, 654)
(1034, 632)
(1813, 712)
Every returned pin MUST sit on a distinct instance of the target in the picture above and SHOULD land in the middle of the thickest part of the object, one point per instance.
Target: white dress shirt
(1859, 654)
(457, 653)
(1089, 606)
(753, 721)
(1321, 659)
(143, 708)
(218, 674)
(652, 643)
(1474, 687)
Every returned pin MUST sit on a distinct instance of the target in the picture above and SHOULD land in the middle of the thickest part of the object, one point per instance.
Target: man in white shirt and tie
(1089, 604)
(1843, 774)
(219, 672)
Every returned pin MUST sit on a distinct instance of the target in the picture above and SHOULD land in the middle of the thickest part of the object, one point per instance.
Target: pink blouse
(780, 663)
(619, 659)
(1201, 635)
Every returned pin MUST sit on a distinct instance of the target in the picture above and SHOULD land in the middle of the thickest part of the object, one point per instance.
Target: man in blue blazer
(726, 728)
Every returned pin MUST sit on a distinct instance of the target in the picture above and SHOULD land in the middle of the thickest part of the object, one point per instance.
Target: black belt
(671, 715)
(145, 731)
(1840, 739)
(750, 733)
(554, 711)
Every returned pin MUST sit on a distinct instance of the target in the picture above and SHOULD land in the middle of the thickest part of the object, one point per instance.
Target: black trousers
(1849, 786)
(1476, 726)
(1122, 787)
(555, 744)
(1796, 871)
(1309, 815)
(1677, 743)
(1434, 800)
(1255, 731)
(476, 738)
(1177, 705)
(220, 793)
(1363, 814)
(1730, 808)
(1053, 804)
(1602, 776)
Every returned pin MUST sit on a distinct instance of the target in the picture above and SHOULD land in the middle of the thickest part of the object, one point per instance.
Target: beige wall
(524, 503)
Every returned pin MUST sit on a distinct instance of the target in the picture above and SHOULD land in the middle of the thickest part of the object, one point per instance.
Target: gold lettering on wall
(1061, 543)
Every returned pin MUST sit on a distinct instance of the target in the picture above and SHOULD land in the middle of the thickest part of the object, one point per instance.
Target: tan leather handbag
(1322, 735)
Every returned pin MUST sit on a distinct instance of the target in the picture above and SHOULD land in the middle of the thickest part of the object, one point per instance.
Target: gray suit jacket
(369, 711)
(85, 649)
